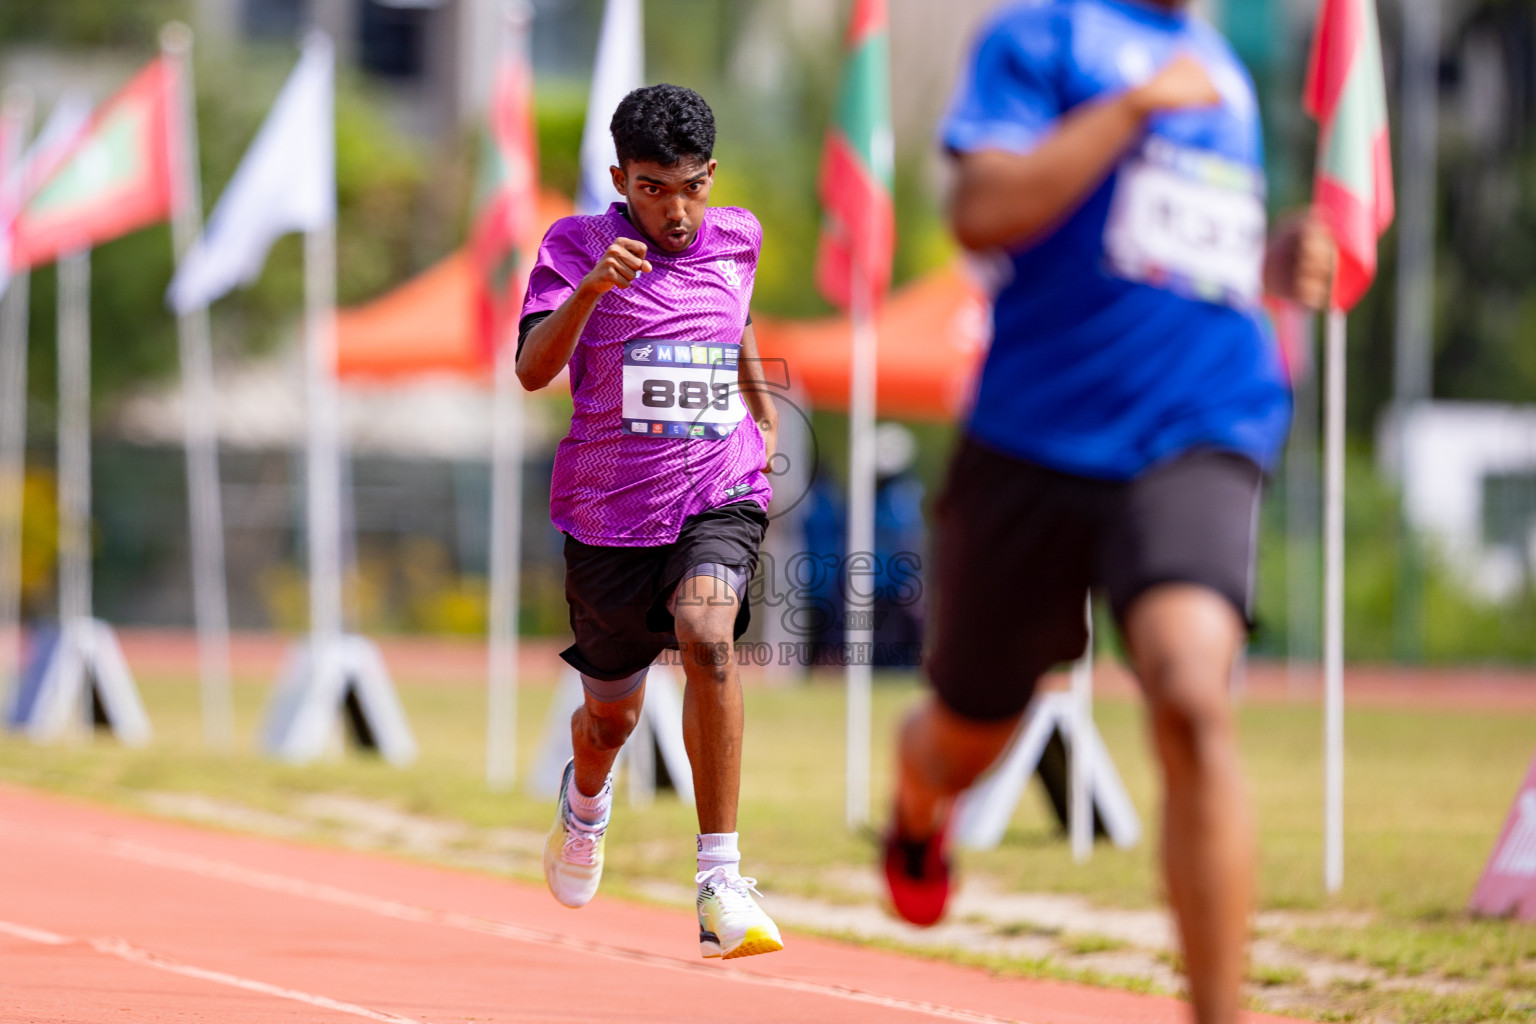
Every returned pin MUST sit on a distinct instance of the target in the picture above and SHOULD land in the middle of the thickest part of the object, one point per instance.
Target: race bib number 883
(681, 391)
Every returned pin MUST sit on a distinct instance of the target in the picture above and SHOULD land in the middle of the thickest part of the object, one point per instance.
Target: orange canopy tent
(933, 333)
(427, 325)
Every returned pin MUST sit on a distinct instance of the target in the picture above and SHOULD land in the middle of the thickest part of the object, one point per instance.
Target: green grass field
(1427, 791)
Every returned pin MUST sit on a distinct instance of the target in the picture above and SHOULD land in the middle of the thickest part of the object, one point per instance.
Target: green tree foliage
(561, 115)
(88, 23)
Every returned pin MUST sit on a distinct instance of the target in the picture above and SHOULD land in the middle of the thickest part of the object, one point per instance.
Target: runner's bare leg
(939, 755)
(598, 730)
(1184, 641)
(704, 610)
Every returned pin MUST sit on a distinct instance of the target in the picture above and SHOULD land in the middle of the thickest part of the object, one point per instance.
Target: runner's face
(667, 203)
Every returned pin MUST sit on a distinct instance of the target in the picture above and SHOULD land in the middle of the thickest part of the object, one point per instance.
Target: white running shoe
(573, 852)
(731, 924)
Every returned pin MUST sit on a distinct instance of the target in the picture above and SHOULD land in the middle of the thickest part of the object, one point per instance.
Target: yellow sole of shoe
(757, 940)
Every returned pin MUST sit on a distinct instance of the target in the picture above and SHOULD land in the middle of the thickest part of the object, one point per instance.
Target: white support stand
(332, 682)
(81, 677)
(986, 808)
(79, 668)
(660, 730)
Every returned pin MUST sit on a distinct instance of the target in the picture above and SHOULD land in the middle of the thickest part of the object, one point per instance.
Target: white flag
(620, 68)
(286, 182)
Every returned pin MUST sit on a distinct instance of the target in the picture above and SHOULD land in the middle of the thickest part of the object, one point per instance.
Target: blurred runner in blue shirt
(1108, 162)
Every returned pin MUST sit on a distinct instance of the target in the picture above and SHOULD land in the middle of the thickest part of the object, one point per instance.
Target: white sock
(718, 850)
(590, 810)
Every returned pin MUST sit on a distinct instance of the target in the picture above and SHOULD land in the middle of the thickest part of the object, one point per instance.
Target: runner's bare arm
(550, 344)
(1001, 198)
(754, 391)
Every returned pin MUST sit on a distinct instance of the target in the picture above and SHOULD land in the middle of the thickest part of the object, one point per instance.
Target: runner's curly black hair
(663, 124)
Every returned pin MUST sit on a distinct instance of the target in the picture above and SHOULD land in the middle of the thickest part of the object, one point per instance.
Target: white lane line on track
(155, 856)
(144, 958)
(37, 935)
(121, 949)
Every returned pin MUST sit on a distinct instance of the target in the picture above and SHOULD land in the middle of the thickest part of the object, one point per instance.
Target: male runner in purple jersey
(659, 487)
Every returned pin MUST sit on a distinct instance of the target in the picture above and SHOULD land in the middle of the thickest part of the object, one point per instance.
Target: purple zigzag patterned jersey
(658, 432)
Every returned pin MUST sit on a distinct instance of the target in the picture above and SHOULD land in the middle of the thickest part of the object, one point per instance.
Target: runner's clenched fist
(621, 264)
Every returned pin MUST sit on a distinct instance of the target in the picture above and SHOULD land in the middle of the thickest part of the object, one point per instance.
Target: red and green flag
(1346, 92)
(507, 202)
(115, 179)
(858, 238)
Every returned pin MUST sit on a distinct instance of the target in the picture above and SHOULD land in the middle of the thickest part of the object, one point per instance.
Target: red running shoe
(917, 876)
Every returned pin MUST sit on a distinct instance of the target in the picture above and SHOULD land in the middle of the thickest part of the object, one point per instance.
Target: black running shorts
(618, 596)
(1017, 547)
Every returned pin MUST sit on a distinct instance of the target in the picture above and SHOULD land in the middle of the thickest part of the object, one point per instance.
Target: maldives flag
(858, 237)
(115, 179)
(1346, 93)
(507, 203)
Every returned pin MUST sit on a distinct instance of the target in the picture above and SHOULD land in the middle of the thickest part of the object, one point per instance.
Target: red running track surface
(109, 917)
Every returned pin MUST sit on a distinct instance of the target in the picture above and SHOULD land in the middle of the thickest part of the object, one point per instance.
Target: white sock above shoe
(719, 850)
(590, 810)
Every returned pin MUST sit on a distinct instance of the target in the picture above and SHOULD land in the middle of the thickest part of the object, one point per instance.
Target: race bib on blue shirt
(1190, 222)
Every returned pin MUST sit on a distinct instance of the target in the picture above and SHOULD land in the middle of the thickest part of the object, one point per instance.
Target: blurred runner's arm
(754, 391)
(1002, 198)
(550, 343)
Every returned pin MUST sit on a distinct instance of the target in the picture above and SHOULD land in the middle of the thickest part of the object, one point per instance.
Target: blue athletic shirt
(1091, 372)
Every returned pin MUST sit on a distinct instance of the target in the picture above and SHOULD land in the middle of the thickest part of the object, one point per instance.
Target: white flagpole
(323, 465)
(323, 462)
(74, 341)
(209, 586)
(1080, 806)
(507, 444)
(858, 566)
(13, 404)
(1333, 606)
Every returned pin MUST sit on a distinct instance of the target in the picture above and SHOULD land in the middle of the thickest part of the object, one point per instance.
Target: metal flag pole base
(1049, 730)
(81, 666)
(659, 733)
(333, 680)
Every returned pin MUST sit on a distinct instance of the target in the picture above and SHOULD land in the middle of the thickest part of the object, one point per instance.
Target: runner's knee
(608, 726)
(709, 661)
(1184, 641)
(700, 622)
(705, 603)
